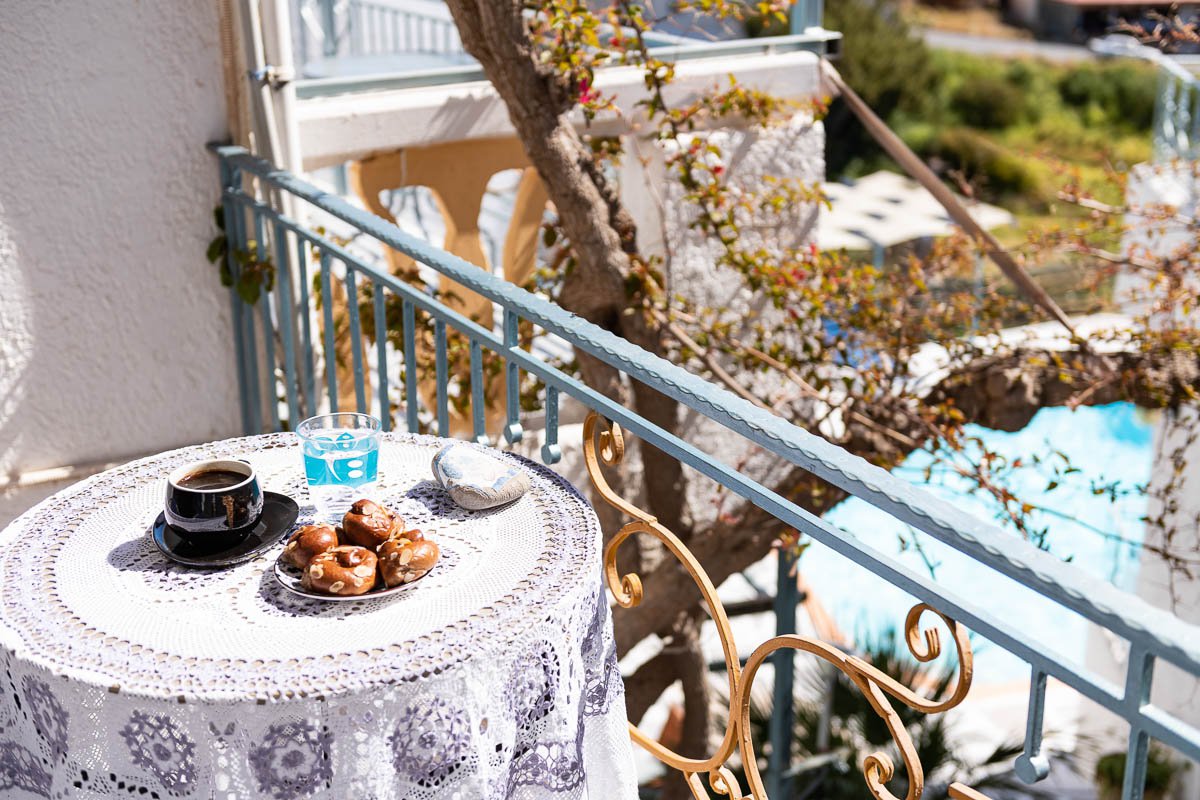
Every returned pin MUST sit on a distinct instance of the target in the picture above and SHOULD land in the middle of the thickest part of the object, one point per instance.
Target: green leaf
(247, 288)
(219, 216)
(216, 249)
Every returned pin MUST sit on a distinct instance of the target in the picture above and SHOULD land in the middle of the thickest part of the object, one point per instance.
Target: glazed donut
(369, 524)
(308, 543)
(344, 570)
(402, 560)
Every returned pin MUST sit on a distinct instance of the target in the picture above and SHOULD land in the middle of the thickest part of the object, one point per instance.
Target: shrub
(1024, 73)
(1083, 84)
(758, 25)
(1160, 769)
(985, 102)
(886, 64)
(1124, 92)
(981, 159)
(1136, 88)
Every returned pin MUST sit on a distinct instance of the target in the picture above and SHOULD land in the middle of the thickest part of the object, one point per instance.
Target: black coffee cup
(218, 500)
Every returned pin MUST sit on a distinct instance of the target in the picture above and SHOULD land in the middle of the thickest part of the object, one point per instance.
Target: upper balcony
(374, 75)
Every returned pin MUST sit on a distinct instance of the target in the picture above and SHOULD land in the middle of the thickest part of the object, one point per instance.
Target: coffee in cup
(216, 499)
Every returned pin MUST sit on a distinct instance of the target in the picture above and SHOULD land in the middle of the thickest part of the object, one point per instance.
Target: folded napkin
(476, 480)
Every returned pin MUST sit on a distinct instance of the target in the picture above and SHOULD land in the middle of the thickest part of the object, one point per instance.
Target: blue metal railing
(284, 340)
(1176, 132)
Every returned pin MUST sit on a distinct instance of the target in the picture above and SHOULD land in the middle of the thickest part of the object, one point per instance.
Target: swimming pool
(1107, 443)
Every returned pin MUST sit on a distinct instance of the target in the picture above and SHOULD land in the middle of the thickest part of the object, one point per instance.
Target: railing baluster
(251, 340)
(283, 303)
(230, 181)
(358, 39)
(264, 304)
(411, 407)
(310, 382)
(360, 388)
(1031, 766)
(1171, 132)
(330, 351)
(381, 330)
(787, 596)
(1139, 676)
(1182, 124)
(329, 22)
(408, 34)
(1188, 121)
(512, 378)
(1158, 134)
(442, 376)
(551, 452)
(478, 410)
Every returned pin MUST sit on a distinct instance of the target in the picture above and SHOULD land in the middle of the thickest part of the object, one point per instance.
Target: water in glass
(341, 461)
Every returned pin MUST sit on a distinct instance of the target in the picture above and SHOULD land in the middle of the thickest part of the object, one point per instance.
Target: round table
(128, 676)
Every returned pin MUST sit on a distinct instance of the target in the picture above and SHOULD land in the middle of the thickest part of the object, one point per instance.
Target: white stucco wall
(794, 149)
(114, 332)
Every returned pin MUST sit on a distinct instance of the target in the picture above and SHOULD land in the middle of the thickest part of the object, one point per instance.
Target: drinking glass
(341, 460)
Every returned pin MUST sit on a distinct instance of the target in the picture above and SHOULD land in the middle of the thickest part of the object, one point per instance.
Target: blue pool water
(1107, 443)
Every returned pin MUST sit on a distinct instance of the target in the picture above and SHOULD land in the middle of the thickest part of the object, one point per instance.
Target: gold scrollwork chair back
(603, 446)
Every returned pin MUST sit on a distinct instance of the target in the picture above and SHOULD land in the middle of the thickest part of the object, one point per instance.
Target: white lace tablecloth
(127, 676)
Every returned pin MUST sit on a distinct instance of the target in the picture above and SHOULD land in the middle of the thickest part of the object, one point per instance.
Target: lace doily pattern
(127, 676)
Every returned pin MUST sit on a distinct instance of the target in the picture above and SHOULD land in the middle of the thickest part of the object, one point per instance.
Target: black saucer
(279, 514)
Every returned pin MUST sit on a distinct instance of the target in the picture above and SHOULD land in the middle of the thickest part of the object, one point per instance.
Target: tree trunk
(601, 230)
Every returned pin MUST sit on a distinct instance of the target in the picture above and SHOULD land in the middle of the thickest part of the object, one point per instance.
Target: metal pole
(277, 49)
(787, 595)
(807, 14)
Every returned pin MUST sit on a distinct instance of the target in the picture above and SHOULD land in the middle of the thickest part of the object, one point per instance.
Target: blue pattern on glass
(345, 458)
(341, 460)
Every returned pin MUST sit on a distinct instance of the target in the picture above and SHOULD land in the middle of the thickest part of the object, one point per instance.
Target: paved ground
(987, 45)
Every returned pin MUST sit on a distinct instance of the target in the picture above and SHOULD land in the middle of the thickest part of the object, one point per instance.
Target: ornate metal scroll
(603, 444)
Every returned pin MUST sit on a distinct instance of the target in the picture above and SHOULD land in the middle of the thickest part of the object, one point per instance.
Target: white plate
(289, 577)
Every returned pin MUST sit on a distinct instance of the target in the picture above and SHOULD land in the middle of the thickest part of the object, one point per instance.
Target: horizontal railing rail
(286, 326)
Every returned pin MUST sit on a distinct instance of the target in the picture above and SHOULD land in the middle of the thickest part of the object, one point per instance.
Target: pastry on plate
(344, 570)
(308, 543)
(369, 524)
(403, 560)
